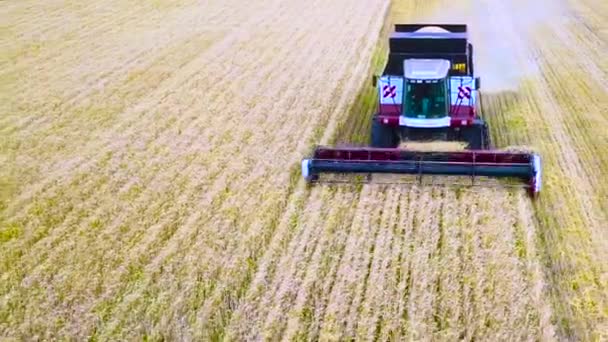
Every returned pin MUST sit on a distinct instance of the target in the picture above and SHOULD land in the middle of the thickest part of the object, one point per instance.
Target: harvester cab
(427, 91)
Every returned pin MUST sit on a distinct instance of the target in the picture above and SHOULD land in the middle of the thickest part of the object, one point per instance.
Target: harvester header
(524, 166)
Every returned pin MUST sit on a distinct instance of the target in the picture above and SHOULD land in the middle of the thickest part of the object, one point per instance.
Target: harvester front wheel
(474, 136)
(383, 136)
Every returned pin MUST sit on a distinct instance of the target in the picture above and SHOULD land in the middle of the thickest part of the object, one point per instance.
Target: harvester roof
(426, 69)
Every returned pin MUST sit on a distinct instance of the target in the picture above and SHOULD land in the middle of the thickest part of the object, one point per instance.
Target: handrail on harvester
(526, 166)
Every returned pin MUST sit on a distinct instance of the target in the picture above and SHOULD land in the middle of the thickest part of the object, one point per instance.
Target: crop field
(150, 184)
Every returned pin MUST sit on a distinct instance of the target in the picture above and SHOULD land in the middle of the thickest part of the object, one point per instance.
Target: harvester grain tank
(428, 91)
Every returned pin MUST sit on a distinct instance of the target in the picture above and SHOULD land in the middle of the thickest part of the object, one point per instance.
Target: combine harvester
(427, 91)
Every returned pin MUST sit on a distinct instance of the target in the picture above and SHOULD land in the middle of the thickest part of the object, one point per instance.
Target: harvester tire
(473, 135)
(383, 136)
(487, 142)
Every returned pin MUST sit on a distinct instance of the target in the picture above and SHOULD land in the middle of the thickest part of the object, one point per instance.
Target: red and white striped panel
(390, 90)
(462, 90)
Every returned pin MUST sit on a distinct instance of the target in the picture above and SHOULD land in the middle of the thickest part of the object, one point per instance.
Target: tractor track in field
(153, 188)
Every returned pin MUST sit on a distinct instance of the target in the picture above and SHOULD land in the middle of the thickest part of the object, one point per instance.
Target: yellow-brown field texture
(150, 188)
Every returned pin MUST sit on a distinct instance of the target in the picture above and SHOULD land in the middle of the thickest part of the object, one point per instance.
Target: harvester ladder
(420, 160)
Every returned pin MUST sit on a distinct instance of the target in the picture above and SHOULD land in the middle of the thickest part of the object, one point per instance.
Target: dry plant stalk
(434, 145)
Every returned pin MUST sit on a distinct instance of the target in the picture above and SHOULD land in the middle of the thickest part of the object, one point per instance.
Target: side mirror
(375, 81)
(477, 83)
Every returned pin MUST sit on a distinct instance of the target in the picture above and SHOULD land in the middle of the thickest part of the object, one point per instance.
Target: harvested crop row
(151, 217)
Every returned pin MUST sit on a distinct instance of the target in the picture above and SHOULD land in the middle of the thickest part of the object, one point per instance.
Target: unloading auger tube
(525, 166)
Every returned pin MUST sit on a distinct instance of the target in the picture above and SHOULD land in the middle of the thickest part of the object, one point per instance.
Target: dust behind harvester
(428, 91)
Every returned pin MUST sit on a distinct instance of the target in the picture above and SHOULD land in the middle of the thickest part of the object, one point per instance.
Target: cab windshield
(425, 99)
